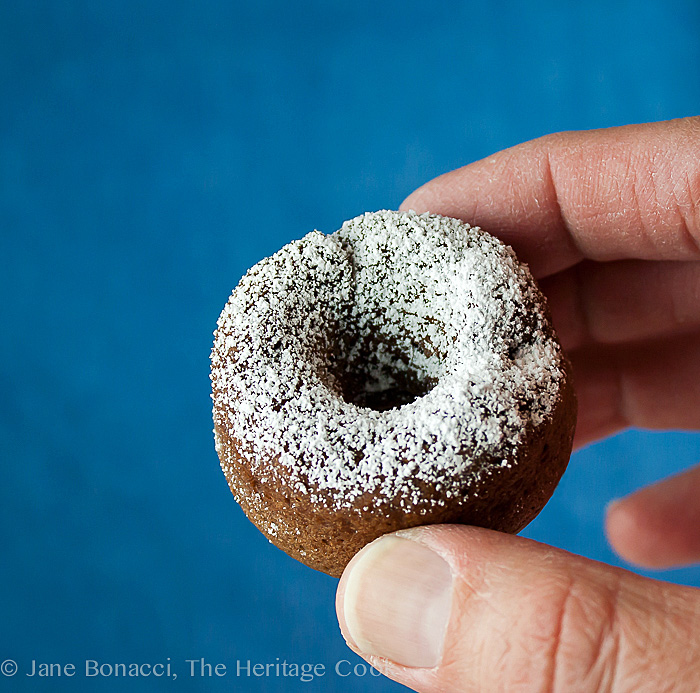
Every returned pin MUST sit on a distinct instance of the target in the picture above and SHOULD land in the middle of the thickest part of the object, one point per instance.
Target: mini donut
(401, 371)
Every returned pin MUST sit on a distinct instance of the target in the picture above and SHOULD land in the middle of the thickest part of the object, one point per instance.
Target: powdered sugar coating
(402, 299)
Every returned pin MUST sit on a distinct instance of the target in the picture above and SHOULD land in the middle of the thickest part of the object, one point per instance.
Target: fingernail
(397, 602)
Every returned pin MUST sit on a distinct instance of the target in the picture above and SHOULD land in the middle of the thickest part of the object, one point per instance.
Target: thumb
(452, 608)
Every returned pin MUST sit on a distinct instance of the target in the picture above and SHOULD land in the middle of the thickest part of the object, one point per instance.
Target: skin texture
(609, 222)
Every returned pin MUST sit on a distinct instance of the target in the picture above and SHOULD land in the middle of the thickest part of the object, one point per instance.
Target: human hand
(609, 222)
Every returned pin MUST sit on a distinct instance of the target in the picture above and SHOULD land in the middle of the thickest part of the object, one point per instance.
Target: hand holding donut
(609, 223)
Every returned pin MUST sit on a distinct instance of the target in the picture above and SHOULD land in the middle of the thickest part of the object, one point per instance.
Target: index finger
(619, 193)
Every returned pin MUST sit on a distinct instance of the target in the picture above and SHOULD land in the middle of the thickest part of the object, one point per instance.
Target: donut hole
(383, 400)
(377, 378)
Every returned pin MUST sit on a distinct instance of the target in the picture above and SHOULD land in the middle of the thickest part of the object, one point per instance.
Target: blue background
(150, 152)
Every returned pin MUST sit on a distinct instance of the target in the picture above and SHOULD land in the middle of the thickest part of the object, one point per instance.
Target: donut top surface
(400, 351)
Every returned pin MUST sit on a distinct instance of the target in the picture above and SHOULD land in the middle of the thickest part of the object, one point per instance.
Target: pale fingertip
(612, 505)
(412, 203)
(394, 602)
(620, 526)
(630, 537)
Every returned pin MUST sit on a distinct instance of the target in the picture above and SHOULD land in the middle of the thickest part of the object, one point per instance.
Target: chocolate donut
(399, 372)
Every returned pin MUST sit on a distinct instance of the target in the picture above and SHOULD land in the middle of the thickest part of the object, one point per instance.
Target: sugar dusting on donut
(436, 312)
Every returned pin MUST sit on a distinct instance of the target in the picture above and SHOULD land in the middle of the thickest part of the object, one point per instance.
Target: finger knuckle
(566, 639)
(674, 182)
(584, 645)
(689, 206)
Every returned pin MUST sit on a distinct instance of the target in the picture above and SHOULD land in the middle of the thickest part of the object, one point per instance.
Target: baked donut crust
(402, 371)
